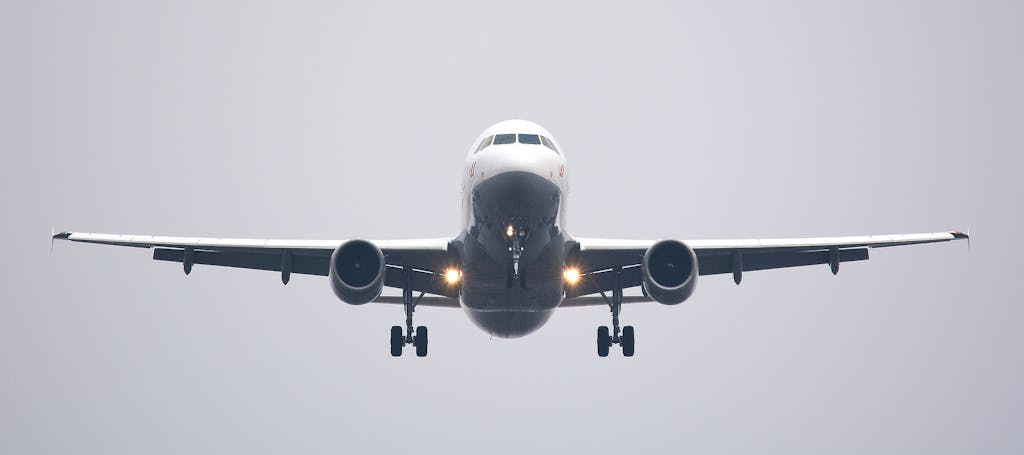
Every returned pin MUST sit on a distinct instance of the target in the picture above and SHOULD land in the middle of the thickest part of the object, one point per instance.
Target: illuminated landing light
(572, 275)
(510, 231)
(452, 276)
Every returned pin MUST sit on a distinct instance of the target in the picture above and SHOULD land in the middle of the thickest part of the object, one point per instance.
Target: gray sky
(335, 120)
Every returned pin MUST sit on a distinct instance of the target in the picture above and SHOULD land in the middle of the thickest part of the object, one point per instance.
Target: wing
(597, 256)
(427, 257)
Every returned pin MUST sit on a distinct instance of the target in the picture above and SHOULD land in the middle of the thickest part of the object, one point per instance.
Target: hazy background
(334, 120)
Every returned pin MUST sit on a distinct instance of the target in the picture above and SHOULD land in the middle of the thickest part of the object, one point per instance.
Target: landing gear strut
(626, 338)
(516, 237)
(398, 341)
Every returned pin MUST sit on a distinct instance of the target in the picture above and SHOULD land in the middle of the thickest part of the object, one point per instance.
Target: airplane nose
(515, 158)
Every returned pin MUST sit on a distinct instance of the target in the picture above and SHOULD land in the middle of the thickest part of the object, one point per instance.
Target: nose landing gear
(398, 340)
(516, 236)
(626, 338)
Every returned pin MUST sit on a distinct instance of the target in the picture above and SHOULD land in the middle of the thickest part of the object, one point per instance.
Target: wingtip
(957, 235)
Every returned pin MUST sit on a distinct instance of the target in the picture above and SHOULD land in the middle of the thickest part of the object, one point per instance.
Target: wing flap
(603, 281)
(306, 265)
(421, 281)
(722, 263)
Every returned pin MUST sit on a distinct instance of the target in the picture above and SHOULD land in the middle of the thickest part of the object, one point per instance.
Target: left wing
(427, 257)
(598, 256)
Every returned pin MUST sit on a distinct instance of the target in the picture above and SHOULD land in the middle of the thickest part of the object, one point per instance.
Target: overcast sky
(337, 120)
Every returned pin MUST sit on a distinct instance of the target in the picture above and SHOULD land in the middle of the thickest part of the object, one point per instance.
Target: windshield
(529, 139)
(504, 139)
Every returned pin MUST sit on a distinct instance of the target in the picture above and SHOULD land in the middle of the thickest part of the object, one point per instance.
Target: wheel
(604, 341)
(397, 341)
(421, 341)
(627, 341)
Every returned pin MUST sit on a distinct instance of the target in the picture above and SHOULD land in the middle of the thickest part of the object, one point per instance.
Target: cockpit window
(529, 139)
(547, 143)
(484, 143)
(504, 139)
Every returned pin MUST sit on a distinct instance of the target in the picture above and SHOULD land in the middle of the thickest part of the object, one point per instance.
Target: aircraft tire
(628, 339)
(421, 341)
(604, 341)
(397, 341)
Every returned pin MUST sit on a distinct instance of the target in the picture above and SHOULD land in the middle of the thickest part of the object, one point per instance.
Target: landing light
(572, 275)
(452, 276)
(510, 231)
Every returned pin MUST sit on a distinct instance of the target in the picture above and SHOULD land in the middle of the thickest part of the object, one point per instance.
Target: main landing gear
(606, 339)
(398, 340)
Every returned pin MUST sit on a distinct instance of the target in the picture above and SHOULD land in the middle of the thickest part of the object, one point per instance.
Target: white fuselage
(513, 216)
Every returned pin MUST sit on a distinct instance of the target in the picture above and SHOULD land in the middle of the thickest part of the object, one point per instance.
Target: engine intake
(669, 272)
(357, 272)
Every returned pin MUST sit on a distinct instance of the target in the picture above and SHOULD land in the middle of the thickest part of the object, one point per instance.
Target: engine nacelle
(357, 272)
(669, 272)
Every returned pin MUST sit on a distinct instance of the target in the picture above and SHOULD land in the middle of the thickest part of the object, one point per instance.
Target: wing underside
(598, 257)
(426, 257)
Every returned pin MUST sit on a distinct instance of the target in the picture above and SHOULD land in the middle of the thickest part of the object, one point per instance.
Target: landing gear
(516, 236)
(398, 340)
(605, 339)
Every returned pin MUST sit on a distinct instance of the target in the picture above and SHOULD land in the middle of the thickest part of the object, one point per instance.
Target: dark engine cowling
(669, 272)
(357, 272)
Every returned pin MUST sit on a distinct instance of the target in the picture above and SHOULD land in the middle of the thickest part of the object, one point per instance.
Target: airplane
(514, 262)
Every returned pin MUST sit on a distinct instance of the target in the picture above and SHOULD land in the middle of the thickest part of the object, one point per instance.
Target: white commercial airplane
(514, 262)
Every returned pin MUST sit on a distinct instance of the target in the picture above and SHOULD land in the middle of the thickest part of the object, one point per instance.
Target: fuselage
(514, 190)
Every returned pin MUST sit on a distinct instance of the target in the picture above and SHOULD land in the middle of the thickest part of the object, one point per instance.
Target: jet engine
(669, 272)
(357, 272)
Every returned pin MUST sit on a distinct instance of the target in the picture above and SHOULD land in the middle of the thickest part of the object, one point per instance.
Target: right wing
(598, 256)
(427, 257)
